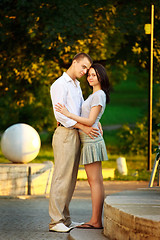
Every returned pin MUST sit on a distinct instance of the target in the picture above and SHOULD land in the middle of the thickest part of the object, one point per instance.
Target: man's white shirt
(67, 92)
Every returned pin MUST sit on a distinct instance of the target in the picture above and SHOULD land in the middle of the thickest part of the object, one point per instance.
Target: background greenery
(38, 40)
(137, 105)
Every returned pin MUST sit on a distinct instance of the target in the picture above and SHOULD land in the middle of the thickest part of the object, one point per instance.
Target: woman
(93, 150)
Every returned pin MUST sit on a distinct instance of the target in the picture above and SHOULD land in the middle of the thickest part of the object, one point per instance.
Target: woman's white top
(95, 99)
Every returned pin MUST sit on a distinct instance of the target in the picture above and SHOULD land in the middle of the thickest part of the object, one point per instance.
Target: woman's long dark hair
(102, 78)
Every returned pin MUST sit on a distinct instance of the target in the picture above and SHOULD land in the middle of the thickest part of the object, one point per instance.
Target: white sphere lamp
(20, 143)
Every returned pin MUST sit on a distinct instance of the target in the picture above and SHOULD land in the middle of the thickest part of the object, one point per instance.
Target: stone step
(86, 234)
(133, 215)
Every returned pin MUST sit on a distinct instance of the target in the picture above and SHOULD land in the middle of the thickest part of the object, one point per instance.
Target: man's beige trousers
(66, 148)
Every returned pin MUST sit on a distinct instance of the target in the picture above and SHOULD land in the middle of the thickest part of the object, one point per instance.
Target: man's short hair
(80, 56)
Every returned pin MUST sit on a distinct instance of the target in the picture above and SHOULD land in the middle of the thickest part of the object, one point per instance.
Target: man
(66, 144)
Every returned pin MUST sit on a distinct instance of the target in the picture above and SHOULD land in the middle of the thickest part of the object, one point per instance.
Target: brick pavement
(28, 219)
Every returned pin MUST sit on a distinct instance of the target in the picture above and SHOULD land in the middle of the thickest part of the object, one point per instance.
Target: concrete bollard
(122, 166)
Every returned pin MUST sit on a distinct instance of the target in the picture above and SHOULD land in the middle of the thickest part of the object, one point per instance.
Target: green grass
(45, 154)
(135, 164)
(127, 106)
(128, 103)
(111, 137)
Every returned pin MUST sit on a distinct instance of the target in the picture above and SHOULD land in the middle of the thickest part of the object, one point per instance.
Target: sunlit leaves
(38, 39)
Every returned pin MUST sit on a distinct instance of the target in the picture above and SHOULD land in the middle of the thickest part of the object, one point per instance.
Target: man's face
(81, 67)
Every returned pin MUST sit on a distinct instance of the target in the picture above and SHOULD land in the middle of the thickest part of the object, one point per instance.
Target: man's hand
(90, 131)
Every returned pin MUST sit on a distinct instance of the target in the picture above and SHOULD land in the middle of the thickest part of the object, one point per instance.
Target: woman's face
(92, 78)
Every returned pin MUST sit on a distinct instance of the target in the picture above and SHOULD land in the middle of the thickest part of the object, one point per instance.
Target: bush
(135, 140)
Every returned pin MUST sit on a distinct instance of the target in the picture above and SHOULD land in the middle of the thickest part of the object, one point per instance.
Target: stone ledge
(132, 215)
(86, 234)
(33, 178)
(16, 179)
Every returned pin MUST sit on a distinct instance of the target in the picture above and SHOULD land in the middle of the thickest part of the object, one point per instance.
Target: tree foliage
(35, 40)
(38, 39)
(134, 140)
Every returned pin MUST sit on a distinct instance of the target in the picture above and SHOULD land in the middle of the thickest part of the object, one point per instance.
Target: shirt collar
(69, 79)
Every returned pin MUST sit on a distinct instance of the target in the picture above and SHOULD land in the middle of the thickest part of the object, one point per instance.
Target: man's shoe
(75, 224)
(60, 227)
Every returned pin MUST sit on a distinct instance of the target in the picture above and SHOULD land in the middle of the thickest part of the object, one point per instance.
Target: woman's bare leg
(95, 180)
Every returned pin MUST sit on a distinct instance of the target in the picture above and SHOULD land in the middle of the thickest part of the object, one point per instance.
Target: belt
(61, 125)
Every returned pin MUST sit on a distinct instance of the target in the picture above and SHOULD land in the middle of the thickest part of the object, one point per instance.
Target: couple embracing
(78, 124)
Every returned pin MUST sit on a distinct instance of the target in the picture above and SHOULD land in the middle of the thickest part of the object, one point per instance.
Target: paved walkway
(28, 219)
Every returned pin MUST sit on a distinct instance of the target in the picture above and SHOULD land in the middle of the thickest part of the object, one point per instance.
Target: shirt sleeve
(58, 93)
(98, 99)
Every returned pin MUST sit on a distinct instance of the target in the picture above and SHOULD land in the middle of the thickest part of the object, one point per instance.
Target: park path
(28, 219)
